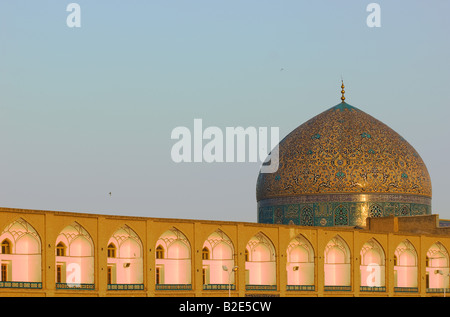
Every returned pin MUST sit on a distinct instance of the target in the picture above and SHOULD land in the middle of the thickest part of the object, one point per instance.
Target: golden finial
(343, 91)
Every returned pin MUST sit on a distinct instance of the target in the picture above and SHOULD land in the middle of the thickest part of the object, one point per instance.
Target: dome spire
(342, 91)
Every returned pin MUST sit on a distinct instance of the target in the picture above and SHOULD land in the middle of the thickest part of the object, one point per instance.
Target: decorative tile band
(125, 287)
(438, 290)
(219, 287)
(332, 288)
(406, 289)
(373, 197)
(10, 284)
(250, 287)
(337, 213)
(75, 286)
(372, 288)
(300, 287)
(173, 287)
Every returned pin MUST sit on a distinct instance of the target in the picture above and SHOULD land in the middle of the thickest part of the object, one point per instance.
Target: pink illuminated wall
(438, 266)
(221, 254)
(77, 262)
(24, 261)
(175, 267)
(127, 263)
(405, 272)
(372, 266)
(300, 262)
(337, 263)
(261, 265)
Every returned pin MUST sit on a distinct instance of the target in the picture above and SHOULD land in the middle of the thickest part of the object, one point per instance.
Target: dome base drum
(339, 209)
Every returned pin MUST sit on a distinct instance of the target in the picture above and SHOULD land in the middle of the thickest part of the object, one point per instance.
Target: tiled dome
(345, 150)
(344, 155)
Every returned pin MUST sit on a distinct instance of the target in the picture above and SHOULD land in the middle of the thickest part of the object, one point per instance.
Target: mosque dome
(341, 167)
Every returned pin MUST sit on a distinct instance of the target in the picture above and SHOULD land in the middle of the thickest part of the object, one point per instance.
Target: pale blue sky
(87, 111)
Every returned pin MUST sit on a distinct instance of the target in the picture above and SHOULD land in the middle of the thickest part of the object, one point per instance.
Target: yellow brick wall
(49, 224)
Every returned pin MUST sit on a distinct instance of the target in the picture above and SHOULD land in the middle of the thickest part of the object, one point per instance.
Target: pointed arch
(78, 241)
(372, 252)
(261, 264)
(175, 243)
(75, 267)
(125, 261)
(300, 262)
(337, 251)
(438, 256)
(217, 268)
(205, 253)
(300, 250)
(160, 252)
(372, 267)
(112, 250)
(6, 246)
(406, 254)
(261, 248)
(405, 270)
(175, 267)
(127, 241)
(20, 252)
(61, 249)
(23, 237)
(337, 263)
(437, 266)
(220, 245)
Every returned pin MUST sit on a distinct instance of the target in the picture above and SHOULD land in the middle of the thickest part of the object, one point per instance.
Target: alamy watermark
(374, 278)
(73, 20)
(73, 275)
(235, 145)
(374, 18)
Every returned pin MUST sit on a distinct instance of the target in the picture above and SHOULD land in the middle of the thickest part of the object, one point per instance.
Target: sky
(87, 111)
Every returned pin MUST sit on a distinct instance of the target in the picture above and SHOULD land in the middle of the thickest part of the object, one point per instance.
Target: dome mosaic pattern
(345, 150)
(344, 155)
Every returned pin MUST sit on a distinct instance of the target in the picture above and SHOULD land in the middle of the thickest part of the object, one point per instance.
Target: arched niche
(337, 271)
(261, 261)
(300, 262)
(125, 261)
(20, 253)
(372, 267)
(437, 266)
(218, 259)
(174, 267)
(74, 267)
(405, 265)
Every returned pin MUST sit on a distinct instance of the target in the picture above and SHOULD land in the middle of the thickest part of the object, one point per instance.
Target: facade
(48, 253)
(348, 213)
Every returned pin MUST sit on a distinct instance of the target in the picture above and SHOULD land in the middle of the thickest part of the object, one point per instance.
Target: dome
(343, 161)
